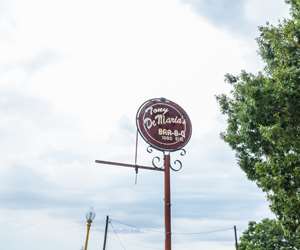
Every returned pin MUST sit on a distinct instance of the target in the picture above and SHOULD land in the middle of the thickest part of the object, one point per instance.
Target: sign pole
(167, 202)
(166, 127)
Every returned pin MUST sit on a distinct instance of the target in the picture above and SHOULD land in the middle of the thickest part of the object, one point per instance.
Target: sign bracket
(126, 165)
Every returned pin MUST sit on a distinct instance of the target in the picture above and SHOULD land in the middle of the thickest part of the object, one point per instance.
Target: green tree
(263, 120)
(267, 235)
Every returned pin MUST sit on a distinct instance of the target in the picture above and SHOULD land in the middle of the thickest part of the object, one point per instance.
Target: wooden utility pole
(235, 237)
(105, 232)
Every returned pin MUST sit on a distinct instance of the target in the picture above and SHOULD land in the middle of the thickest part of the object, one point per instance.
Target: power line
(206, 232)
(174, 233)
(121, 243)
(178, 234)
(117, 236)
(141, 230)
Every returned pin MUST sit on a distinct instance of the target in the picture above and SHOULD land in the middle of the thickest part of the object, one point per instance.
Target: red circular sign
(164, 124)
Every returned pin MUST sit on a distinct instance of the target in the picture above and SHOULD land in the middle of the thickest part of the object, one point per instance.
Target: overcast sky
(72, 76)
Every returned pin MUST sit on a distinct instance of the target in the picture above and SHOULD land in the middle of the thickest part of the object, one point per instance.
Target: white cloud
(260, 12)
(240, 17)
(73, 74)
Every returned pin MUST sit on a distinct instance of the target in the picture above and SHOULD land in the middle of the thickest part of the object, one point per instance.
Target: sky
(72, 77)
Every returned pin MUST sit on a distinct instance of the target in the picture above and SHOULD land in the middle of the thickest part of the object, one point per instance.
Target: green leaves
(267, 235)
(263, 121)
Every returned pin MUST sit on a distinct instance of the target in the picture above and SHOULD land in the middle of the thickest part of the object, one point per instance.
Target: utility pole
(105, 232)
(235, 237)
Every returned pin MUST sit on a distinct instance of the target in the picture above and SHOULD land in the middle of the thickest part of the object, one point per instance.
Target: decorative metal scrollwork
(174, 167)
(156, 160)
(183, 152)
(149, 149)
(177, 164)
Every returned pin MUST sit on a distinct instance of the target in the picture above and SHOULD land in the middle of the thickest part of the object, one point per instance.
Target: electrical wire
(121, 243)
(205, 232)
(140, 230)
(174, 233)
(156, 231)
(117, 236)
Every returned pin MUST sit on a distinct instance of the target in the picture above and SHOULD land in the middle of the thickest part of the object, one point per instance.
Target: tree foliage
(267, 235)
(263, 120)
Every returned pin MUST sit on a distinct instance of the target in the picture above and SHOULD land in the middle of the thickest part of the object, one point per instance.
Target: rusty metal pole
(167, 201)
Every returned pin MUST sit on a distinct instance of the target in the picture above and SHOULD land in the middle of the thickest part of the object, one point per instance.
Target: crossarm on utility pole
(128, 165)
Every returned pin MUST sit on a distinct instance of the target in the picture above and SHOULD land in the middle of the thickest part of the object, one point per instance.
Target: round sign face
(164, 124)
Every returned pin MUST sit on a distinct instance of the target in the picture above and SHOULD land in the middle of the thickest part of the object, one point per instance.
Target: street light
(90, 216)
